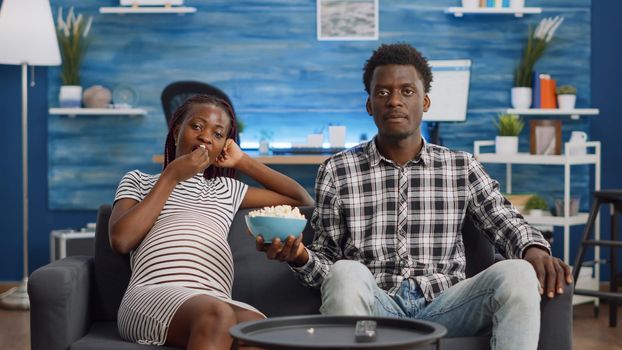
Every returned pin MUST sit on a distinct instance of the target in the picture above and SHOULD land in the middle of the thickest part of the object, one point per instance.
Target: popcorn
(280, 211)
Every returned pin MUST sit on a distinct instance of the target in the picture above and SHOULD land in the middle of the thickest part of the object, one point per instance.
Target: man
(388, 222)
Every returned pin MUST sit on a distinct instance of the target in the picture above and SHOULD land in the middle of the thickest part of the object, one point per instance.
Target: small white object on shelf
(517, 12)
(72, 112)
(122, 10)
(573, 113)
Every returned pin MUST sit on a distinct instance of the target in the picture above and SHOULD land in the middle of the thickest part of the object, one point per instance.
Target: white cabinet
(586, 280)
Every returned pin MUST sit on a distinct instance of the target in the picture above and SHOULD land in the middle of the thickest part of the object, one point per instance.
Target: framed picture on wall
(347, 20)
(545, 137)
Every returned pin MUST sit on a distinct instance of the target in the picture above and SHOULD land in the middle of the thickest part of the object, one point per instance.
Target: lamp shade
(27, 33)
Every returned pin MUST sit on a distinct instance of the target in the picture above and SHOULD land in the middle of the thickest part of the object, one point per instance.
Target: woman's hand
(188, 165)
(230, 156)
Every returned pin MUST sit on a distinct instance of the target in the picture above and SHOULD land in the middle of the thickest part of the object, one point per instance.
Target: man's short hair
(402, 54)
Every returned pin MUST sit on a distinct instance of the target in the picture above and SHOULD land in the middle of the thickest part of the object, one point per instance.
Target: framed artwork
(347, 20)
(545, 137)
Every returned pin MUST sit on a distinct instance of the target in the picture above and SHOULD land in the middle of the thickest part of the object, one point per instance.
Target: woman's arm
(130, 220)
(279, 188)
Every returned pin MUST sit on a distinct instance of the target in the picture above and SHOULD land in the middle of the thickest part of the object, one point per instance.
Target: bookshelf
(590, 279)
(517, 12)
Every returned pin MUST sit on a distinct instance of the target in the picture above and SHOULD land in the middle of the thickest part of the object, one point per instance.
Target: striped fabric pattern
(185, 253)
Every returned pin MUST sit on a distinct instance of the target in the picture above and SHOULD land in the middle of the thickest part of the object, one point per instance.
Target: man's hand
(551, 271)
(292, 251)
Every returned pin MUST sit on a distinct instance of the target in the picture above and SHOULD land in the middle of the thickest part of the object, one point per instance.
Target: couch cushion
(104, 336)
(112, 271)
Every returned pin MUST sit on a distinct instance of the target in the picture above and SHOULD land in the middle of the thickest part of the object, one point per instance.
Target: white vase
(70, 96)
(469, 4)
(536, 212)
(577, 143)
(566, 102)
(315, 140)
(337, 136)
(517, 4)
(264, 147)
(506, 144)
(521, 97)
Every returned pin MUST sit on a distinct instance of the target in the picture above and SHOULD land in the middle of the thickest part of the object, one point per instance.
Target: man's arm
(512, 235)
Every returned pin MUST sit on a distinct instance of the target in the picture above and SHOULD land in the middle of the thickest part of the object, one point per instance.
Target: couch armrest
(60, 302)
(556, 321)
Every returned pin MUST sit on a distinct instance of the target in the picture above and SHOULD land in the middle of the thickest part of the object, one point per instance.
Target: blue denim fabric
(502, 301)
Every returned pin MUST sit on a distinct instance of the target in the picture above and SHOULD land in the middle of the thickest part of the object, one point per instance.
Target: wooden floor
(589, 332)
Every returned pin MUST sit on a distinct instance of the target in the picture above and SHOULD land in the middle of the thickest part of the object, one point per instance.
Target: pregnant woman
(175, 225)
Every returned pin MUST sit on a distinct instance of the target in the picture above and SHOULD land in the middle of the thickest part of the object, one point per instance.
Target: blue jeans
(502, 301)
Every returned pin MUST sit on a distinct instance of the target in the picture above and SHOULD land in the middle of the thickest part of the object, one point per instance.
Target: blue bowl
(271, 227)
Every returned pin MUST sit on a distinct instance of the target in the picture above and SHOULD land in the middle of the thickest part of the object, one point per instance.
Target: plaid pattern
(405, 222)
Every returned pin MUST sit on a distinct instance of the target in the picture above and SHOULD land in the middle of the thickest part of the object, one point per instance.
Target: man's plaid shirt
(405, 222)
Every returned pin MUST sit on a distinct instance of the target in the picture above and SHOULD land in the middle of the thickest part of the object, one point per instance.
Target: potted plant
(240, 126)
(566, 96)
(72, 33)
(537, 43)
(536, 206)
(509, 126)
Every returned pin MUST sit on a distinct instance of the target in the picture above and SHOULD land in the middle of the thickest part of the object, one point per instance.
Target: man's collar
(375, 157)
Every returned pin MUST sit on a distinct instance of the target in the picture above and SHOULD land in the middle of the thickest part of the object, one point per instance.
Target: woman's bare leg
(202, 322)
(243, 315)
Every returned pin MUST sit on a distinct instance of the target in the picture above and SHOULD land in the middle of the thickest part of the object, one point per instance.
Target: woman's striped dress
(184, 254)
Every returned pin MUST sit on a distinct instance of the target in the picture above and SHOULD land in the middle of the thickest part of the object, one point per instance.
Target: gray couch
(74, 301)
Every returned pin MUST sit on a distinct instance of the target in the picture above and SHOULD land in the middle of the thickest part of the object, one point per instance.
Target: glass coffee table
(334, 332)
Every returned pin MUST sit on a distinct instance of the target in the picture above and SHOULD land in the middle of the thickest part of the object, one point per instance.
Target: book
(536, 90)
(547, 92)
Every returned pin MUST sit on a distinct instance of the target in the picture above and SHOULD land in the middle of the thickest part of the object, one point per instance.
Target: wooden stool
(614, 198)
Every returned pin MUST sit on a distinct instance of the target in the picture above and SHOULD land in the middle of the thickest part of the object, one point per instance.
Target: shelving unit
(586, 280)
(131, 10)
(572, 113)
(517, 12)
(72, 112)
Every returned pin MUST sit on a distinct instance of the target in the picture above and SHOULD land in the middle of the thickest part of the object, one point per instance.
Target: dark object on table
(365, 331)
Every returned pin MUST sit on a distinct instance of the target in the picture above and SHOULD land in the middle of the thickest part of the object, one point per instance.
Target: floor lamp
(27, 37)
